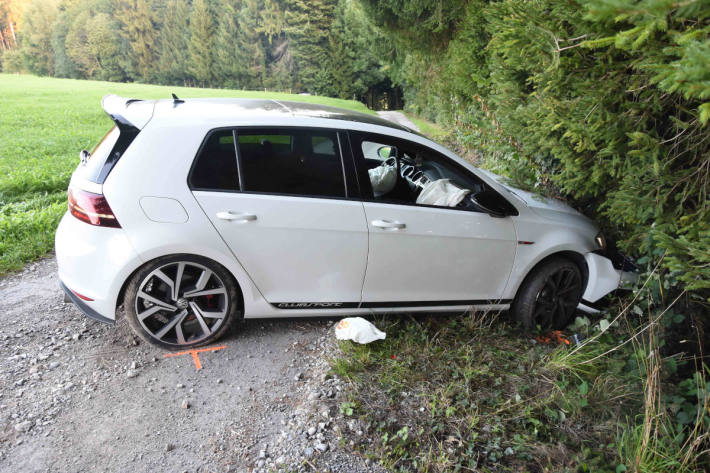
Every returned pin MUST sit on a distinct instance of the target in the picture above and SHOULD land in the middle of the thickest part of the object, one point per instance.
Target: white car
(195, 213)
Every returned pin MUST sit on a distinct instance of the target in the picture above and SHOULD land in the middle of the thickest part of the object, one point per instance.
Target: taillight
(91, 208)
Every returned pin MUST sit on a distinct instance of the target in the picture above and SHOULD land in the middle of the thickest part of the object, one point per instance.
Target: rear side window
(106, 153)
(215, 167)
(303, 162)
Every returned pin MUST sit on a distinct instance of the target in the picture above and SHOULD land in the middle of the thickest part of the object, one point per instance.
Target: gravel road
(76, 395)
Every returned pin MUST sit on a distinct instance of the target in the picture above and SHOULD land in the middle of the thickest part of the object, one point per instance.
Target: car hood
(544, 206)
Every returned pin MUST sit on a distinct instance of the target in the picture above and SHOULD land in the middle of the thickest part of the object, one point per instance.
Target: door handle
(238, 217)
(388, 224)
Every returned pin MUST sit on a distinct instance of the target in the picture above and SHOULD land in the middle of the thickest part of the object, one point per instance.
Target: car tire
(549, 296)
(197, 310)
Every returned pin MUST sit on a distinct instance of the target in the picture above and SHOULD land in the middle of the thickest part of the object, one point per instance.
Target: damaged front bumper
(608, 273)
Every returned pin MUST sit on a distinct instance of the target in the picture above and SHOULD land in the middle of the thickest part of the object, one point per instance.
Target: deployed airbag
(442, 193)
(358, 330)
(383, 179)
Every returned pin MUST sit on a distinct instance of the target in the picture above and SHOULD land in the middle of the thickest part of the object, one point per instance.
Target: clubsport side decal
(316, 305)
(374, 305)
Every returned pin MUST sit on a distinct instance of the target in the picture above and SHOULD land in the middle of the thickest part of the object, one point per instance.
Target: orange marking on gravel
(194, 353)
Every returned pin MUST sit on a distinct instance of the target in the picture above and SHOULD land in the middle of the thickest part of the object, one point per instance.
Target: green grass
(469, 393)
(44, 123)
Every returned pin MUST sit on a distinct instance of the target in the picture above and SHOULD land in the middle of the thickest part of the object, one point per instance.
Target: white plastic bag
(383, 179)
(443, 193)
(358, 330)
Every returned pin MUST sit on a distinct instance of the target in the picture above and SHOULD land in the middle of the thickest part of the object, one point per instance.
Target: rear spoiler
(125, 112)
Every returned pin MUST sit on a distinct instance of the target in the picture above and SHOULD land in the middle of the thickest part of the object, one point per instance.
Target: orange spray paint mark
(194, 353)
(555, 336)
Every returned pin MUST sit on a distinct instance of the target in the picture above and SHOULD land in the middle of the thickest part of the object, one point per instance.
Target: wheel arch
(573, 256)
(235, 280)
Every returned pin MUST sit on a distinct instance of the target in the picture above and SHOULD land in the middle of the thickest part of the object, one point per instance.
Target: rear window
(302, 162)
(106, 153)
(216, 165)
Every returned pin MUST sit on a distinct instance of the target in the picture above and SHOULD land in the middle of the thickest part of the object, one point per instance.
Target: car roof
(142, 110)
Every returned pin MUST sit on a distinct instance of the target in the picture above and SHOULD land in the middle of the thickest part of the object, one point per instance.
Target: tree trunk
(12, 30)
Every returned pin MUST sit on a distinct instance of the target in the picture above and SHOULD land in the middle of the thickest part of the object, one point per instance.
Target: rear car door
(424, 252)
(282, 199)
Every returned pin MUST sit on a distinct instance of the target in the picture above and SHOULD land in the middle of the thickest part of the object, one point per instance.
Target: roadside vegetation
(430, 129)
(44, 123)
(471, 393)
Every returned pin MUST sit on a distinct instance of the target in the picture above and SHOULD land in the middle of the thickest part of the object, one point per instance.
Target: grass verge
(44, 123)
(469, 393)
(429, 129)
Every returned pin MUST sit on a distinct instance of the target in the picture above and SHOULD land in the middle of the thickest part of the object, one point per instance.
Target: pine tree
(253, 44)
(271, 19)
(308, 25)
(173, 53)
(138, 28)
(353, 66)
(238, 47)
(201, 42)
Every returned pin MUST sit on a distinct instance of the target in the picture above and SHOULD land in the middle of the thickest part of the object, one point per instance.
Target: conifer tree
(308, 25)
(173, 54)
(238, 51)
(201, 42)
(138, 28)
(352, 64)
(253, 44)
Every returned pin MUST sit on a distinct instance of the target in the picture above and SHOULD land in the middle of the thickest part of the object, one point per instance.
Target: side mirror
(83, 156)
(385, 152)
(491, 203)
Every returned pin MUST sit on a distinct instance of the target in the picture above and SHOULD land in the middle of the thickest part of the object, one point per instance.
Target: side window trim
(342, 164)
(235, 136)
(349, 167)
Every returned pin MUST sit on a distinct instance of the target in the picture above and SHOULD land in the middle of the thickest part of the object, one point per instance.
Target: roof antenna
(176, 100)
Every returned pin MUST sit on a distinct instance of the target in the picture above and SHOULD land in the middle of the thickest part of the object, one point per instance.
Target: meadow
(44, 123)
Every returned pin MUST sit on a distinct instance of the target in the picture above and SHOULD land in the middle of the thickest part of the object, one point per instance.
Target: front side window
(304, 162)
(215, 167)
(400, 171)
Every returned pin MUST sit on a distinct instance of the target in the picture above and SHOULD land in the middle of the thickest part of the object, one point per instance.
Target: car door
(422, 253)
(286, 212)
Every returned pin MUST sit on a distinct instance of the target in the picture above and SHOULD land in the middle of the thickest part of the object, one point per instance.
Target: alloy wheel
(181, 303)
(558, 299)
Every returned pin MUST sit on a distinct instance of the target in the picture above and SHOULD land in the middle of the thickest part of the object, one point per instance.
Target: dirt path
(76, 395)
(398, 117)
